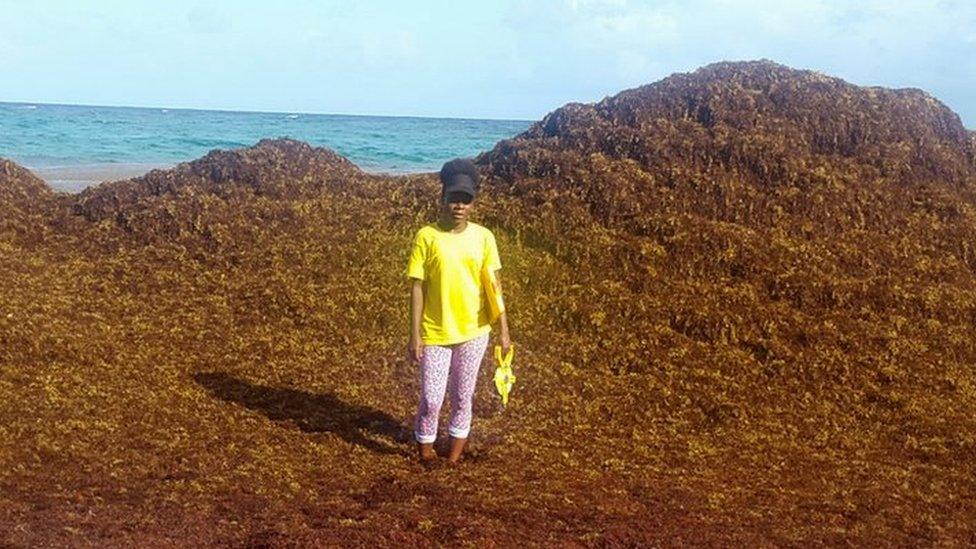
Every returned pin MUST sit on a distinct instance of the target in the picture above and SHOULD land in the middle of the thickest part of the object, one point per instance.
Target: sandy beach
(75, 179)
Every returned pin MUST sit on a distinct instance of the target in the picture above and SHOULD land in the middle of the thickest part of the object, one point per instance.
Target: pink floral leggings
(453, 367)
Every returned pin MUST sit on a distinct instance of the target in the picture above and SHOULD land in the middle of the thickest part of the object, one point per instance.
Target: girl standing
(449, 316)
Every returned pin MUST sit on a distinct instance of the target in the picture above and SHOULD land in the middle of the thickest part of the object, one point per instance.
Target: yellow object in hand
(504, 378)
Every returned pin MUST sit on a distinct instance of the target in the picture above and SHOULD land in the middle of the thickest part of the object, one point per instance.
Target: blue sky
(493, 59)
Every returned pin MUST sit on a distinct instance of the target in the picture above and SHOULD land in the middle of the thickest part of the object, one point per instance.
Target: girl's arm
(415, 346)
(503, 337)
(416, 306)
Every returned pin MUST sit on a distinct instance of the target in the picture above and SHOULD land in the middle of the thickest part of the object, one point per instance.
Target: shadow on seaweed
(312, 413)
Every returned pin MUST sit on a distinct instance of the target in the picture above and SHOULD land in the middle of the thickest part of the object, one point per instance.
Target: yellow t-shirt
(455, 306)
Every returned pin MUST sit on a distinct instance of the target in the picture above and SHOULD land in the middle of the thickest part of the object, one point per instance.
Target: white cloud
(627, 37)
(590, 5)
(639, 27)
(207, 19)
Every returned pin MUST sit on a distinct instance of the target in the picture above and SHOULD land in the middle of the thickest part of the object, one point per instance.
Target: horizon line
(247, 111)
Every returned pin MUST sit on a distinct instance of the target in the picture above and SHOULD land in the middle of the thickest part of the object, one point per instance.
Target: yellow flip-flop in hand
(504, 378)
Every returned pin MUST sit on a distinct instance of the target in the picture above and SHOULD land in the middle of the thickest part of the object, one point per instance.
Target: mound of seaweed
(758, 119)
(24, 199)
(280, 168)
(743, 301)
(19, 188)
(223, 192)
(756, 144)
(797, 189)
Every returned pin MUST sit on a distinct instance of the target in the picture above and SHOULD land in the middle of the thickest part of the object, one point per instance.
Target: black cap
(460, 175)
(461, 183)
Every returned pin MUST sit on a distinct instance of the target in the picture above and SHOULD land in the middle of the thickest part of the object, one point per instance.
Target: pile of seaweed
(746, 204)
(742, 301)
(23, 201)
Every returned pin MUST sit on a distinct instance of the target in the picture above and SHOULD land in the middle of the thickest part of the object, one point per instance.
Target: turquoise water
(42, 136)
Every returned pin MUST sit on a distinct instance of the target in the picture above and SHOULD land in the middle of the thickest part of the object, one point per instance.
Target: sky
(493, 59)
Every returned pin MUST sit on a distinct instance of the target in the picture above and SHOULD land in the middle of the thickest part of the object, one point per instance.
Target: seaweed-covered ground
(742, 301)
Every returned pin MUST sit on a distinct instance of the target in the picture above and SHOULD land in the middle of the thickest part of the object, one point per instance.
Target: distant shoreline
(76, 178)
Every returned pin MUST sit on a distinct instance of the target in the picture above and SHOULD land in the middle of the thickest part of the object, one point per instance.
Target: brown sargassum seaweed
(742, 300)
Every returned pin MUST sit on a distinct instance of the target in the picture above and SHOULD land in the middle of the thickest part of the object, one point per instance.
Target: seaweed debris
(744, 299)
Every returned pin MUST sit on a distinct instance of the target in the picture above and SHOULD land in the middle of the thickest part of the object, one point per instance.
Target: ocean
(73, 146)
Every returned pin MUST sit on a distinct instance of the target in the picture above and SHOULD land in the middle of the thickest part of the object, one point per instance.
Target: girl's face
(456, 206)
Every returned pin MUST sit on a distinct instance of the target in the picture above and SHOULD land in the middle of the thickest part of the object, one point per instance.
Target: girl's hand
(505, 342)
(415, 350)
